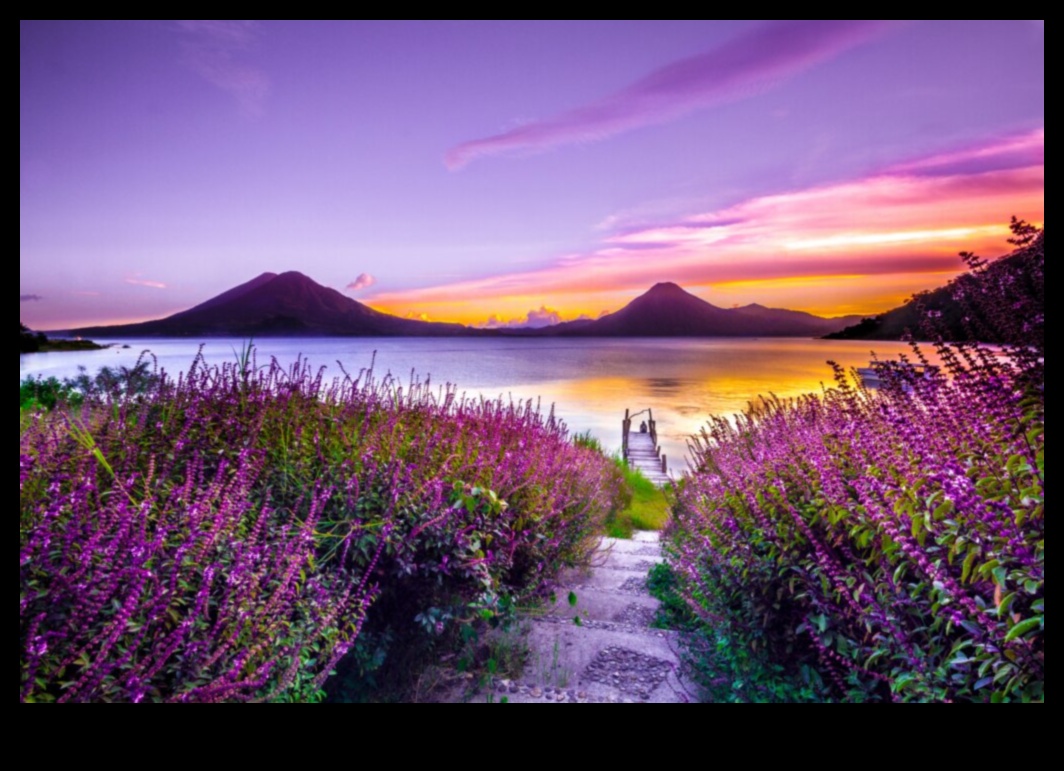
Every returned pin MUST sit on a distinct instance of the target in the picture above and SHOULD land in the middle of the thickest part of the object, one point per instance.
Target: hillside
(285, 305)
(292, 305)
(667, 310)
(947, 316)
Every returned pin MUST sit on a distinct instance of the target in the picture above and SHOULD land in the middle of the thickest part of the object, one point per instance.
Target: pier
(641, 449)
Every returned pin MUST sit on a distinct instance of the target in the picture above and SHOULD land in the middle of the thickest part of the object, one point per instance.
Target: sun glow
(860, 246)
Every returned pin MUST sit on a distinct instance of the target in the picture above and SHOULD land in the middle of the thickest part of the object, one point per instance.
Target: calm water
(590, 382)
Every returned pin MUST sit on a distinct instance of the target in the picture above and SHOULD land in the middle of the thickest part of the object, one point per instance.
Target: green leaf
(1039, 607)
(902, 682)
(899, 573)
(1023, 628)
(969, 563)
(943, 511)
(578, 622)
(1001, 577)
(1006, 603)
(1016, 463)
(573, 600)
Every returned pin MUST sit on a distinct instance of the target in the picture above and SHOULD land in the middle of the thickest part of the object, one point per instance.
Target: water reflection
(666, 386)
(590, 382)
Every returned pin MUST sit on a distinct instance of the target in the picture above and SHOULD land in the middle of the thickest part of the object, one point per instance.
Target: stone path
(611, 655)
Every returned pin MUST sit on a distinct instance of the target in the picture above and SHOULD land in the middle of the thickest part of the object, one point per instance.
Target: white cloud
(544, 317)
(364, 281)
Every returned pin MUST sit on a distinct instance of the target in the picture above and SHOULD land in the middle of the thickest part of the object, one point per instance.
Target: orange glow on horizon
(859, 247)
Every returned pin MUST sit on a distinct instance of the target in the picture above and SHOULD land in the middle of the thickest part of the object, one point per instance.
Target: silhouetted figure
(643, 427)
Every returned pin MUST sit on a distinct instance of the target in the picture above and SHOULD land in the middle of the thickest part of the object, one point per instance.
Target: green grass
(638, 504)
(649, 509)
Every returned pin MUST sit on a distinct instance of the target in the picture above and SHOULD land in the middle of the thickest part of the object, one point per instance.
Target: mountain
(667, 310)
(292, 305)
(285, 305)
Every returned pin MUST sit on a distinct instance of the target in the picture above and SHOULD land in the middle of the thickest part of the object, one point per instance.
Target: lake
(591, 382)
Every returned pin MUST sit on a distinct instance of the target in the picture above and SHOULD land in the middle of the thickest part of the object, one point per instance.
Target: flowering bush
(873, 546)
(233, 534)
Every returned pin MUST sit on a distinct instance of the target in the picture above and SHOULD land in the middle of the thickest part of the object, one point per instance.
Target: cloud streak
(149, 284)
(216, 49)
(29, 298)
(364, 281)
(1020, 151)
(907, 222)
(743, 67)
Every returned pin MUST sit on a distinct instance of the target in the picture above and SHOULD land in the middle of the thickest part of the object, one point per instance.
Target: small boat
(880, 373)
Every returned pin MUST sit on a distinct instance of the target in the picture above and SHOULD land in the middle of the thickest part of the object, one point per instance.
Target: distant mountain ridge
(668, 310)
(293, 305)
(285, 305)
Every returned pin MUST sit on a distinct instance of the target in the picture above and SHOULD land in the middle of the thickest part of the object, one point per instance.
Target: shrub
(29, 342)
(241, 533)
(892, 542)
(47, 394)
(883, 546)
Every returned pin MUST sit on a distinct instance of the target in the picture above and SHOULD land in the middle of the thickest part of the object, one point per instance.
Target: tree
(28, 342)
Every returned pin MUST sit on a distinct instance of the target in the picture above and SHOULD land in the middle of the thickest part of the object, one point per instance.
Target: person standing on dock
(643, 428)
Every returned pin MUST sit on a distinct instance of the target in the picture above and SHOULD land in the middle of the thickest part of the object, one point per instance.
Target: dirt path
(611, 654)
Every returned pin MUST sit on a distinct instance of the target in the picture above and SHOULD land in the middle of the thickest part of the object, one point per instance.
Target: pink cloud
(29, 298)
(1014, 152)
(364, 281)
(149, 284)
(911, 219)
(748, 65)
(215, 50)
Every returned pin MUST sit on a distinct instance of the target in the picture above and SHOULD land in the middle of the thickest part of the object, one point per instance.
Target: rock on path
(611, 655)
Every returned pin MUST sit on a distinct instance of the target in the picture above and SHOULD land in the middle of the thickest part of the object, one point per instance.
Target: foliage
(47, 394)
(28, 341)
(1005, 300)
(637, 503)
(664, 586)
(242, 533)
(880, 546)
(997, 302)
(731, 669)
(121, 383)
(893, 542)
(646, 506)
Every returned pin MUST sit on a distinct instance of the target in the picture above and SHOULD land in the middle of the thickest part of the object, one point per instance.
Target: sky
(519, 173)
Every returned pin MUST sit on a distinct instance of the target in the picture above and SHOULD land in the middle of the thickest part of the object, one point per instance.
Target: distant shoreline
(69, 346)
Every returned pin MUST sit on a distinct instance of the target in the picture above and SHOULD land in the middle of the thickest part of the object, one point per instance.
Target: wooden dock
(641, 450)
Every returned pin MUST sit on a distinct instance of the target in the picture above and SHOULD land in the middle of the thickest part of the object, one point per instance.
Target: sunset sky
(519, 172)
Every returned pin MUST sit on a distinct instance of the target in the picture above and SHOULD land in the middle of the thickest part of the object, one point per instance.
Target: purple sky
(518, 170)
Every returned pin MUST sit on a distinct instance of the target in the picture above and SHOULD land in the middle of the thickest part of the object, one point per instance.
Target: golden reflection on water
(685, 383)
(590, 382)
